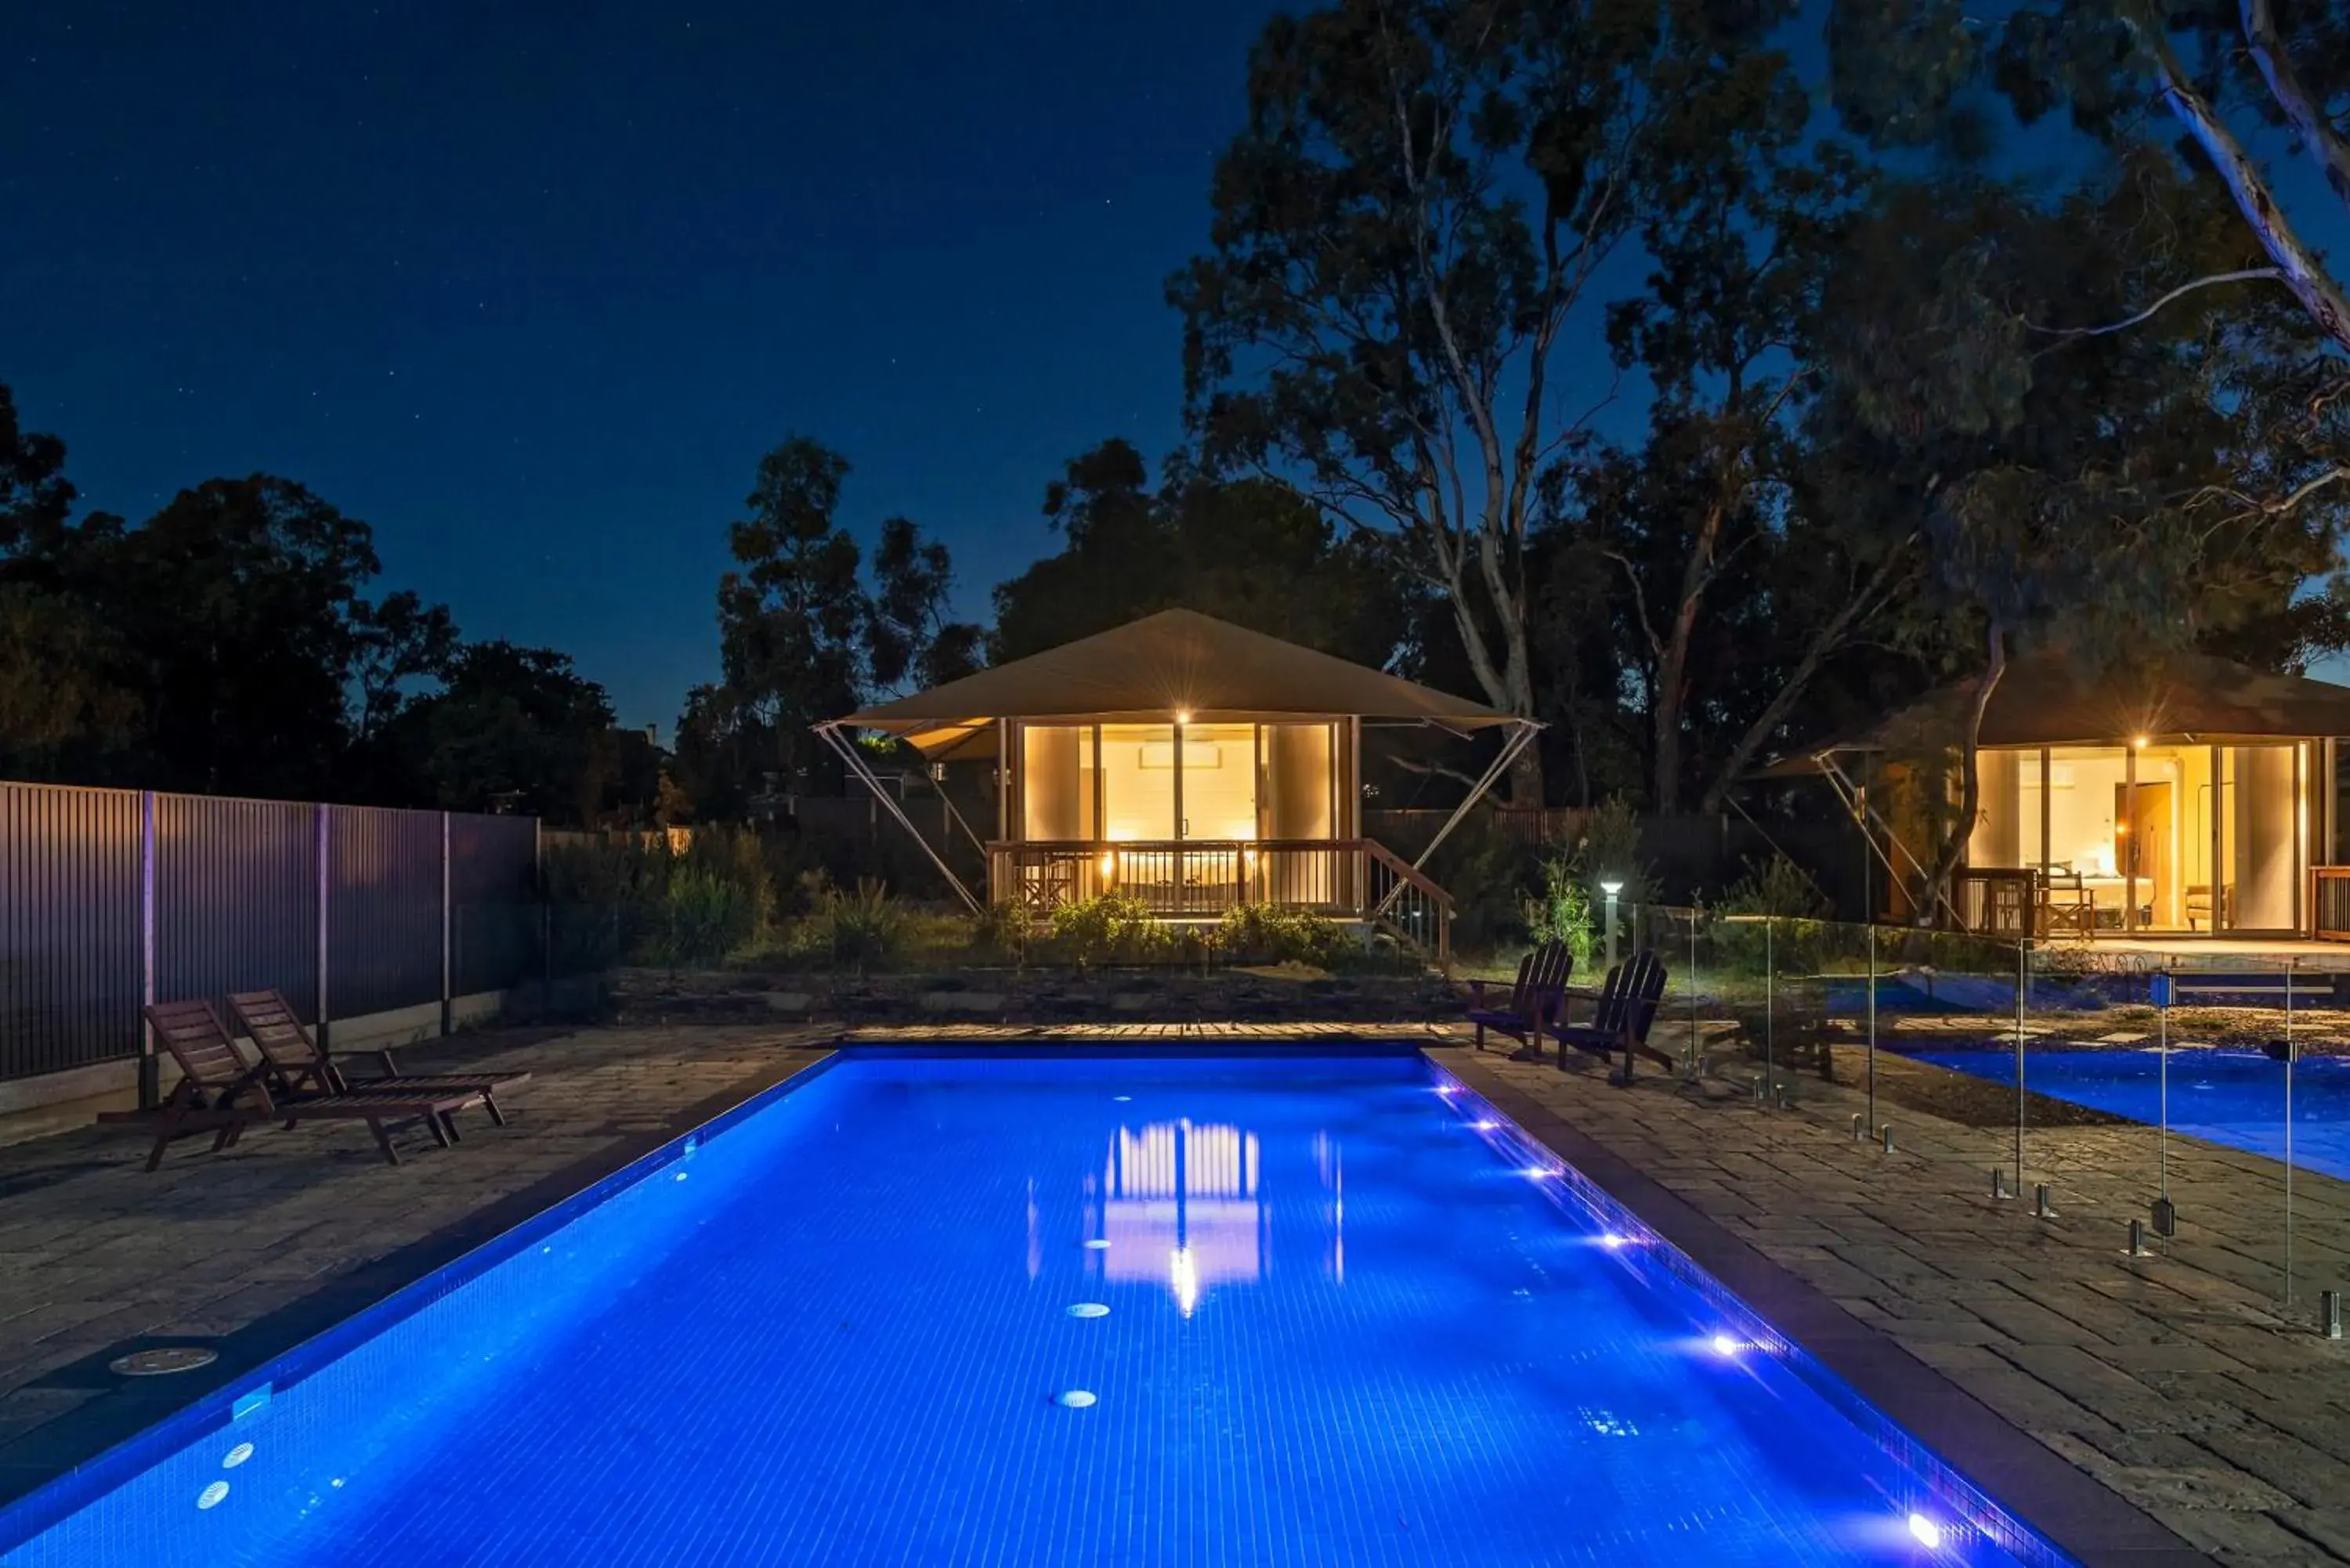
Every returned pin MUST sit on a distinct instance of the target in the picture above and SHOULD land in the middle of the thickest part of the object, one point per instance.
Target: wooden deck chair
(1626, 1007)
(219, 1089)
(1536, 1000)
(300, 1067)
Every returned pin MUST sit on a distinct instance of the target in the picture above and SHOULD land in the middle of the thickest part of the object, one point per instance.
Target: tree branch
(2248, 274)
(2317, 133)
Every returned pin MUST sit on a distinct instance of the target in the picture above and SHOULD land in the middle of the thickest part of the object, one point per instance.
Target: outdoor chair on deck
(219, 1090)
(1626, 1007)
(2066, 906)
(1538, 999)
(300, 1068)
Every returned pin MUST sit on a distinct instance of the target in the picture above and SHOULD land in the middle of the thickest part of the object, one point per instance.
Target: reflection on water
(1179, 1204)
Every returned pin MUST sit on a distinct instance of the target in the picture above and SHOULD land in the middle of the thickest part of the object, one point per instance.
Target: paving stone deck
(2183, 1381)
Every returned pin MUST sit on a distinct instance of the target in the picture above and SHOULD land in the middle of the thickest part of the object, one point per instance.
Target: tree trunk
(1672, 665)
(1828, 639)
(1936, 892)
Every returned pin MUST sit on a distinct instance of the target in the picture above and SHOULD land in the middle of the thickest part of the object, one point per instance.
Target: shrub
(703, 917)
(1004, 929)
(1275, 933)
(1776, 887)
(1561, 911)
(1109, 928)
(864, 929)
(1610, 851)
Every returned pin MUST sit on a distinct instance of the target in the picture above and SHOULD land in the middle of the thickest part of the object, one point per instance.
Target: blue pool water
(2233, 1097)
(1346, 1324)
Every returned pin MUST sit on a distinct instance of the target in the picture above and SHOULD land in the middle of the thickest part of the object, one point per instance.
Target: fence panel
(69, 938)
(495, 912)
(237, 898)
(383, 909)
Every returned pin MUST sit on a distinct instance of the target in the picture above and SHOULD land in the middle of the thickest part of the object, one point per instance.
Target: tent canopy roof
(2046, 699)
(1176, 662)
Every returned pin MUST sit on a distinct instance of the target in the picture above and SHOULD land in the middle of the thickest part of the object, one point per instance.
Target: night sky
(531, 286)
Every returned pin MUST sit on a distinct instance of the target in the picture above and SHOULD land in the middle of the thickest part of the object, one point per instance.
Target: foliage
(518, 729)
(703, 917)
(908, 634)
(1775, 887)
(1610, 852)
(1005, 928)
(1250, 552)
(861, 929)
(1561, 911)
(1110, 928)
(1418, 203)
(1277, 933)
(1487, 872)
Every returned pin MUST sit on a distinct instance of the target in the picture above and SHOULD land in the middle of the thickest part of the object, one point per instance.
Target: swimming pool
(939, 1310)
(2233, 1097)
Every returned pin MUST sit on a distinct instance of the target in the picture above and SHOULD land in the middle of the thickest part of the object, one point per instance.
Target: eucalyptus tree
(1424, 193)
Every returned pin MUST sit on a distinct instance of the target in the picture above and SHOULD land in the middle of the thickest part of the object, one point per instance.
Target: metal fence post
(150, 1090)
(446, 916)
(325, 858)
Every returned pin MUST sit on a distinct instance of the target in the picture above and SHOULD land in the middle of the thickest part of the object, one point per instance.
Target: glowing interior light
(1184, 1275)
(1929, 1533)
(236, 1456)
(1076, 1399)
(1109, 864)
(1087, 1309)
(1182, 715)
(212, 1495)
(1724, 1346)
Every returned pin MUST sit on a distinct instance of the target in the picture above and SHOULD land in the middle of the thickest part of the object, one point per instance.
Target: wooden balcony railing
(2329, 903)
(1357, 878)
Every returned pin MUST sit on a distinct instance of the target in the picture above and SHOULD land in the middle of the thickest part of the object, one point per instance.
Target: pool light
(1724, 1346)
(236, 1456)
(1535, 1172)
(210, 1498)
(1098, 1245)
(1929, 1533)
(1485, 1126)
(1087, 1309)
(1612, 1240)
(1075, 1399)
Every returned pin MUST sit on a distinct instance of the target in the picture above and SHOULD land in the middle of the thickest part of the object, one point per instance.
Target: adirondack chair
(1626, 1007)
(1538, 999)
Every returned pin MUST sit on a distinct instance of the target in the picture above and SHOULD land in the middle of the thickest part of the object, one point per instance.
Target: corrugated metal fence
(112, 898)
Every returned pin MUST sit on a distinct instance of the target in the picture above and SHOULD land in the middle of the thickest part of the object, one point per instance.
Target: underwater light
(1929, 1533)
(1098, 1244)
(211, 1496)
(1075, 1399)
(1485, 1126)
(1087, 1309)
(1724, 1346)
(236, 1456)
(1535, 1172)
(1612, 1240)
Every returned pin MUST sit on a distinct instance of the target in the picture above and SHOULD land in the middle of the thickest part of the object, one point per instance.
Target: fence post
(150, 1089)
(445, 919)
(324, 856)
(546, 914)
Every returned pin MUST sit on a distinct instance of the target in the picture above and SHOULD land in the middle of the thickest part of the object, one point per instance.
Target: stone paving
(96, 1252)
(2183, 1381)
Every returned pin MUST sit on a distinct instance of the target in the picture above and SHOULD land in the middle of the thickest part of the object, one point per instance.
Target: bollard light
(2329, 1313)
(1611, 890)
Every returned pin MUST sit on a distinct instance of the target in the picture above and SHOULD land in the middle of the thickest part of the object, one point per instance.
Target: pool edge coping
(2074, 1510)
(130, 1409)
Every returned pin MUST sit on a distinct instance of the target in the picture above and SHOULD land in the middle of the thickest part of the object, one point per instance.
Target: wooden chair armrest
(390, 1068)
(1476, 993)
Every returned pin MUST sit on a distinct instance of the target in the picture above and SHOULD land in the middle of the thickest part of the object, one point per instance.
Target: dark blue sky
(531, 286)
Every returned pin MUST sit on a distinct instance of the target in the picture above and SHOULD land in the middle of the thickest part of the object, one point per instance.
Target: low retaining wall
(32, 1107)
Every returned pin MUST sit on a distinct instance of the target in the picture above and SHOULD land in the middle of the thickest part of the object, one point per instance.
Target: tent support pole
(1856, 802)
(1526, 731)
(1527, 728)
(829, 733)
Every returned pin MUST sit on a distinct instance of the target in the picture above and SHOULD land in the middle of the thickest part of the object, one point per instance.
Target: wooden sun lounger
(1538, 998)
(301, 1067)
(219, 1090)
(1626, 1007)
